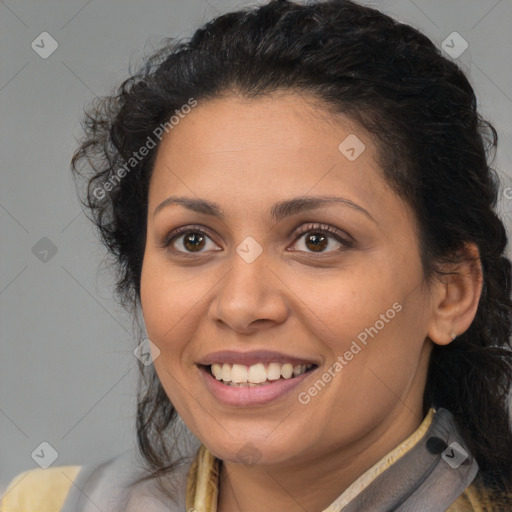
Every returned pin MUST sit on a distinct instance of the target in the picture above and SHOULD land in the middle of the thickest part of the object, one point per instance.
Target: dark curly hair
(434, 148)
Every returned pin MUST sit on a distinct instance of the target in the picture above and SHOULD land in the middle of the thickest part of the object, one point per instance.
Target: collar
(432, 466)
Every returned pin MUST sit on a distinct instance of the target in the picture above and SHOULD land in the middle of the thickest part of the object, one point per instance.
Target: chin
(252, 450)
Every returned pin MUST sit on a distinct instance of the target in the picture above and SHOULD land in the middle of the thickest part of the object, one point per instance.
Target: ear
(456, 296)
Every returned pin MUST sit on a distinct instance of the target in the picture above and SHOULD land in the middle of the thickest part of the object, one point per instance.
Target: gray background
(67, 369)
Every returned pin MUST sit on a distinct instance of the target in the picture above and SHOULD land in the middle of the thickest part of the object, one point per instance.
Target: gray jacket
(428, 478)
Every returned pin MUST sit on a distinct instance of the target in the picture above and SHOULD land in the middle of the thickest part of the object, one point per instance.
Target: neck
(314, 481)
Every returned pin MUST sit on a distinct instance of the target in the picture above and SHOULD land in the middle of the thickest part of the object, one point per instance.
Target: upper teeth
(256, 373)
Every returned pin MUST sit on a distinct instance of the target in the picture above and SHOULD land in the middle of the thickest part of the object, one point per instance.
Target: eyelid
(167, 239)
(340, 236)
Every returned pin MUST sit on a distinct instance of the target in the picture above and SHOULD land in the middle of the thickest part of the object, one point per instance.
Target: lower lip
(246, 396)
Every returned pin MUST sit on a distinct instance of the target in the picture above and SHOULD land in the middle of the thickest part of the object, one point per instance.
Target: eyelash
(309, 228)
(325, 229)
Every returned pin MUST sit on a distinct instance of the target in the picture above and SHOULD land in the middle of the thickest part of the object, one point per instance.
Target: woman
(299, 203)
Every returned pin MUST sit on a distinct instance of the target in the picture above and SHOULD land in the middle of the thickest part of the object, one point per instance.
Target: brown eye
(193, 241)
(187, 240)
(317, 242)
(318, 238)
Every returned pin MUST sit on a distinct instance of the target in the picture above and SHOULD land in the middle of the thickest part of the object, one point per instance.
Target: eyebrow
(277, 212)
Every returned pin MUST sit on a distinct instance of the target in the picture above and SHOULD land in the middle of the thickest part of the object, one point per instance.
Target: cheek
(168, 309)
(352, 303)
(167, 306)
(170, 299)
(373, 321)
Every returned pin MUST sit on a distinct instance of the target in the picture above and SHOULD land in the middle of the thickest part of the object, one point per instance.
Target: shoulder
(115, 485)
(122, 484)
(38, 488)
(478, 498)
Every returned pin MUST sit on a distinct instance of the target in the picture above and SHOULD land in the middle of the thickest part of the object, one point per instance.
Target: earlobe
(456, 297)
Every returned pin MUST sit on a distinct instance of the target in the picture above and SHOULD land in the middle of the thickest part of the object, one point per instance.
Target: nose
(250, 297)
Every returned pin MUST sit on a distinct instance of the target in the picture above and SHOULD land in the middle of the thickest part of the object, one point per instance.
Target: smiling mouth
(259, 374)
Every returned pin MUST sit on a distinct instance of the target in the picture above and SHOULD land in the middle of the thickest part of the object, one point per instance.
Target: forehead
(247, 156)
(283, 139)
(283, 121)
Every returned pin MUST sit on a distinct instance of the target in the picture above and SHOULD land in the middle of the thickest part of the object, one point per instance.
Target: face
(311, 315)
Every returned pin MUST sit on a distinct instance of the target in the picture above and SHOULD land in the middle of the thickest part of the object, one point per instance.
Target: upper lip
(252, 357)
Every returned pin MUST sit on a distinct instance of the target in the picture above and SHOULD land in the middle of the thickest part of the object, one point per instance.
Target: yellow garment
(45, 490)
(202, 486)
(39, 490)
(380, 466)
(477, 499)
